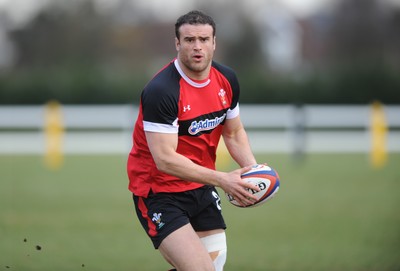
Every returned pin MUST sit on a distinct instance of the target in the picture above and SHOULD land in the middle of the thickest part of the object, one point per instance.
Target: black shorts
(162, 213)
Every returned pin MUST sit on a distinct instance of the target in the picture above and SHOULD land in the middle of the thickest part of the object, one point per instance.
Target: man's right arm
(163, 149)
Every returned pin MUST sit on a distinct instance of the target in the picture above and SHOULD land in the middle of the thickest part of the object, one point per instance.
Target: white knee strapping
(216, 243)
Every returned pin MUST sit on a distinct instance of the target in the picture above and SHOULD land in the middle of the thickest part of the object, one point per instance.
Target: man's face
(195, 47)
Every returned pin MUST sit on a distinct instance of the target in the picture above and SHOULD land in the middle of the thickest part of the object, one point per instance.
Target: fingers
(244, 201)
(247, 185)
(244, 169)
(246, 195)
(241, 190)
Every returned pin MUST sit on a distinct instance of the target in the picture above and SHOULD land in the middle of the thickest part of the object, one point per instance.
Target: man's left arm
(237, 142)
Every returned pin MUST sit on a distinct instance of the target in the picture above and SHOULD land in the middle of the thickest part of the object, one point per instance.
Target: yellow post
(54, 130)
(223, 156)
(378, 130)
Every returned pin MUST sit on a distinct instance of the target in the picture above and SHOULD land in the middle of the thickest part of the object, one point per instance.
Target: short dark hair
(194, 17)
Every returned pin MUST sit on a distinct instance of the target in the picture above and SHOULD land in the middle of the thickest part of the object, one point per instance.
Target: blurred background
(100, 52)
(306, 61)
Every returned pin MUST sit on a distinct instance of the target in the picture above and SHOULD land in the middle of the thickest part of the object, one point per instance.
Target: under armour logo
(186, 108)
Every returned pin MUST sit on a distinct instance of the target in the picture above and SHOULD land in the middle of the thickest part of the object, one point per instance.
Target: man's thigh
(184, 250)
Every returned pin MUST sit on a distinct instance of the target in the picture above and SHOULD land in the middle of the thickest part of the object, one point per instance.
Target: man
(183, 112)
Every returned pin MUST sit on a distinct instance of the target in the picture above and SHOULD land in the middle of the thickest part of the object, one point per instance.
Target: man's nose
(197, 45)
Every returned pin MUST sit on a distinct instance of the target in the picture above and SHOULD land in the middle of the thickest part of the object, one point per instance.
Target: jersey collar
(187, 79)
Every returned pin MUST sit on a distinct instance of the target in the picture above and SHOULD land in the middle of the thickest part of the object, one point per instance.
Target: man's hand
(233, 184)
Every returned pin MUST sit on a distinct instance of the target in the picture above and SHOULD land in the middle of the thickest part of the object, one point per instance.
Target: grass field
(333, 213)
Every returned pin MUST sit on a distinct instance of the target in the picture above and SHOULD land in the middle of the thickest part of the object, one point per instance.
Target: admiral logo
(205, 125)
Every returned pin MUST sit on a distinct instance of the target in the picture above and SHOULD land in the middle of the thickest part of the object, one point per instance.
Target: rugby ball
(263, 176)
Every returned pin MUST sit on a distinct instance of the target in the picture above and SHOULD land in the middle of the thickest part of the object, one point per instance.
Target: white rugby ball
(263, 176)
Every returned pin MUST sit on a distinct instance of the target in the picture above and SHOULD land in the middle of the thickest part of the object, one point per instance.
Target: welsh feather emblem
(222, 96)
(157, 218)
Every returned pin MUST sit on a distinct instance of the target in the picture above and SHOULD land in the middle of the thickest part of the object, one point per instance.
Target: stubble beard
(196, 67)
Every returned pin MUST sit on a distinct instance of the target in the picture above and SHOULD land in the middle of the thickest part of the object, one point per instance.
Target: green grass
(333, 213)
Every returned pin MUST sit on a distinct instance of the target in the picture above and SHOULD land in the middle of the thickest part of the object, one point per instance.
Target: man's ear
(215, 42)
(177, 44)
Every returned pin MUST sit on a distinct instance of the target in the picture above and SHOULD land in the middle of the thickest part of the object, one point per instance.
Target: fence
(91, 129)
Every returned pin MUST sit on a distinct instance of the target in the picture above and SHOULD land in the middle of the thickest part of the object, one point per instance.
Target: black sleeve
(160, 98)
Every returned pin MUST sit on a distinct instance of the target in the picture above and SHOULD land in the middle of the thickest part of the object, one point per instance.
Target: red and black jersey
(173, 103)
